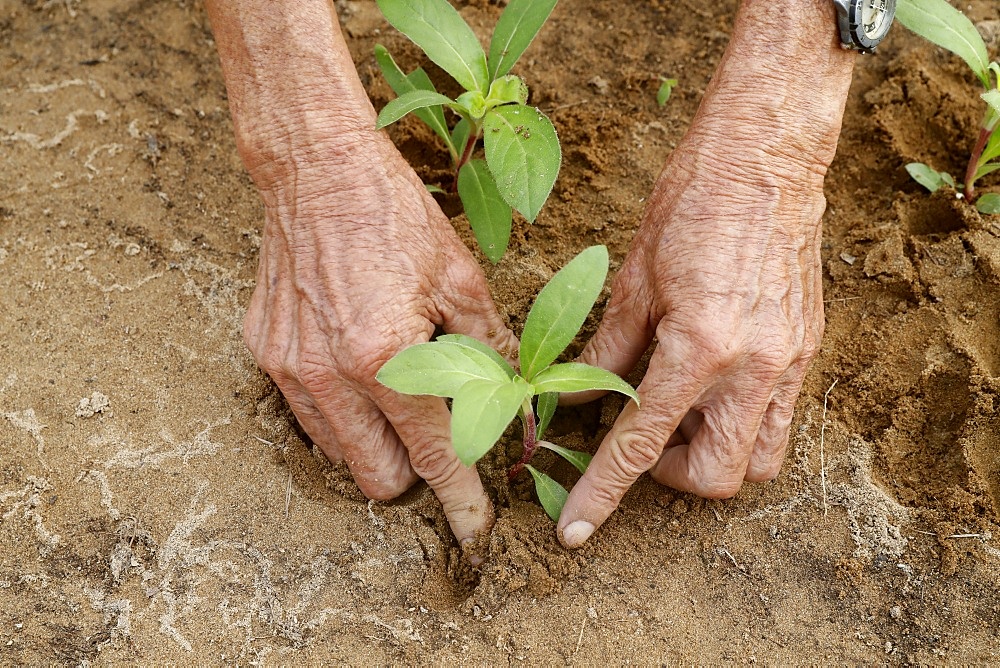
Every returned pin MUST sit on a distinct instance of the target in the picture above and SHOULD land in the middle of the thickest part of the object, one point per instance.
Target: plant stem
(530, 439)
(470, 147)
(977, 152)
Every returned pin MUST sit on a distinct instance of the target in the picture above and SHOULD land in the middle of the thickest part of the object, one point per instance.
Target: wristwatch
(864, 23)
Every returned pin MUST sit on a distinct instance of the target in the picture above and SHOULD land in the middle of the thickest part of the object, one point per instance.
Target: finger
(686, 429)
(624, 334)
(772, 439)
(466, 307)
(424, 426)
(633, 445)
(371, 449)
(310, 419)
(715, 462)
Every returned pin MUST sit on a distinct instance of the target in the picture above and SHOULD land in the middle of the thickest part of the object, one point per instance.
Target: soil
(158, 503)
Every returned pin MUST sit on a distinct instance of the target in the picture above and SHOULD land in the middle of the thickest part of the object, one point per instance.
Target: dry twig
(822, 451)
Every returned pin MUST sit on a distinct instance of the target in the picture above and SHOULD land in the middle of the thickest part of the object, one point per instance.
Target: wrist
(781, 87)
(298, 106)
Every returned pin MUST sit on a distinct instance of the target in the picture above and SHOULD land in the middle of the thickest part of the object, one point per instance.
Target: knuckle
(717, 489)
(313, 374)
(810, 348)
(384, 482)
(366, 356)
(715, 343)
(766, 472)
(272, 361)
(373, 342)
(250, 338)
(434, 463)
(470, 277)
(634, 455)
(380, 490)
(773, 355)
(606, 494)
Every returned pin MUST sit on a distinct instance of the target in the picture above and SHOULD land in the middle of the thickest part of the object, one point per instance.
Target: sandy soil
(158, 503)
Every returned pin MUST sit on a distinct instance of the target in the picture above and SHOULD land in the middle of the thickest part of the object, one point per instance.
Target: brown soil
(177, 515)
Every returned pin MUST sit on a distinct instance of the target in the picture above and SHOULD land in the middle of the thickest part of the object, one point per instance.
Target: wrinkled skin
(346, 280)
(358, 262)
(725, 274)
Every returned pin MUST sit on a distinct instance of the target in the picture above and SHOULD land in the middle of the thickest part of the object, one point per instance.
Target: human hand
(358, 262)
(725, 273)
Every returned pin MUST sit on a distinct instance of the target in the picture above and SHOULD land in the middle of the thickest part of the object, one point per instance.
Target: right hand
(358, 262)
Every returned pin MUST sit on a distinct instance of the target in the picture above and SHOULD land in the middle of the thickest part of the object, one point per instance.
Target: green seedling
(520, 143)
(666, 88)
(942, 24)
(487, 393)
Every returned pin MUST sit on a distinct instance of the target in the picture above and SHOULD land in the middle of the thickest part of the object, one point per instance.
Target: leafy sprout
(522, 153)
(487, 393)
(942, 24)
(666, 88)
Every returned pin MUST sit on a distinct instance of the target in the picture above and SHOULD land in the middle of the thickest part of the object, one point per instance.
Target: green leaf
(666, 88)
(440, 369)
(561, 308)
(431, 188)
(988, 168)
(992, 149)
(992, 98)
(489, 216)
(437, 28)
(404, 104)
(581, 460)
(942, 24)
(416, 80)
(989, 204)
(516, 28)
(480, 414)
(523, 153)
(927, 177)
(469, 342)
(552, 495)
(508, 89)
(547, 404)
(576, 377)
(946, 177)
(473, 103)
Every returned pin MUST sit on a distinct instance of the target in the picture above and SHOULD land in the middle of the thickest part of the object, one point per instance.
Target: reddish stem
(470, 146)
(977, 152)
(530, 444)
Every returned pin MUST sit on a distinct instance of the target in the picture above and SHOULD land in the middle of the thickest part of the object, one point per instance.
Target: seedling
(487, 393)
(942, 24)
(520, 143)
(666, 88)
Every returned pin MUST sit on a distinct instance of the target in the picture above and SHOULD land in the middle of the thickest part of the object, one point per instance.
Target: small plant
(942, 24)
(520, 143)
(487, 393)
(666, 88)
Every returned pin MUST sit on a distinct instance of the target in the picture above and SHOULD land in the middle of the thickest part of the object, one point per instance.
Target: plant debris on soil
(158, 502)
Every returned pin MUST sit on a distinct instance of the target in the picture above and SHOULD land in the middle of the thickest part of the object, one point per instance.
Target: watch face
(876, 16)
(869, 22)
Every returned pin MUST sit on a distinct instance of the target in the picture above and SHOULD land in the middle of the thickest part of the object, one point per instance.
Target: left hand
(725, 273)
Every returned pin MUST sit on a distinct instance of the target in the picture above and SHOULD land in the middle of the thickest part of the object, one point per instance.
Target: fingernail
(577, 533)
(474, 559)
